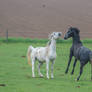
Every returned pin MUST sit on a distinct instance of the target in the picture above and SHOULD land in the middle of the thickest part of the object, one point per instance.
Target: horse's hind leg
(81, 70)
(33, 74)
(47, 68)
(40, 64)
(74, 66)
(91, 68)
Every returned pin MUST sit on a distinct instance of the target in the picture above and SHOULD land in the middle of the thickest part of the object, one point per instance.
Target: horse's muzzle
(59, 34)
(65, 38)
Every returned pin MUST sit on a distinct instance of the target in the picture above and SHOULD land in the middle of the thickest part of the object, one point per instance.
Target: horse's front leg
(47, 68)
(74, 66)
(70, 58)
(52, 66)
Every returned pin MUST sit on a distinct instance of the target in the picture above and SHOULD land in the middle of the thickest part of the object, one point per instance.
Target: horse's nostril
(59, 34)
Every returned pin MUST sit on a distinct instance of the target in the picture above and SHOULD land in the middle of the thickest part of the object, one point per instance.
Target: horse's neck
(52, 46)
(77, 42)
(76, 39)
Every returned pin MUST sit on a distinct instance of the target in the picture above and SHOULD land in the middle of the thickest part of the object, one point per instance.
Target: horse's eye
(69, 31)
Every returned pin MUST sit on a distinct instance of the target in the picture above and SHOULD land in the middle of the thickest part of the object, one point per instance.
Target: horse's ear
(78, 31)
(69, 26)
(50, 36)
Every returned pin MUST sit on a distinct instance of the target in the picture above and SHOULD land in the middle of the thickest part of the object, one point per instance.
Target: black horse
(77, 50)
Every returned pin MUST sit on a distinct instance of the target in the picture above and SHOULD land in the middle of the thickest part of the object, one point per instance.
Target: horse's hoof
(52, 77)
(66, 72)
(47, 77)
(77, 79)
(72, 73)
(33, 76)
(41, 76)
(91, 79)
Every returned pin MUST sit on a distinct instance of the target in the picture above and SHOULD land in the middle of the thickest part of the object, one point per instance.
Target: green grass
(15, 73)
(27, 40)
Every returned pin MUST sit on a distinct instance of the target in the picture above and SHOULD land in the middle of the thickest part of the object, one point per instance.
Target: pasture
(16, 75)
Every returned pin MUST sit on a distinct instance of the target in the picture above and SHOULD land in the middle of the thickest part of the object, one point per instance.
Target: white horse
(44, 54)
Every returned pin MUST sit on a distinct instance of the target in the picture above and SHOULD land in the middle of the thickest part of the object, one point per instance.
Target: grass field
(15, 73)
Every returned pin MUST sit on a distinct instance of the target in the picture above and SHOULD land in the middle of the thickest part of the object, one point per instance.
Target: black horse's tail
(90, 56)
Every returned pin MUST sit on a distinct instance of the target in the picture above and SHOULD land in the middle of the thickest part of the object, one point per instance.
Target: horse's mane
(48, 43)
(76, 29)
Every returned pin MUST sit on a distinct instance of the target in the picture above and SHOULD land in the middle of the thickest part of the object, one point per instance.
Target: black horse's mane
(75, 28)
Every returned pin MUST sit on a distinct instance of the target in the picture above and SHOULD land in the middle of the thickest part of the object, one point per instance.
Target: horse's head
(72, 31)
(55, 35)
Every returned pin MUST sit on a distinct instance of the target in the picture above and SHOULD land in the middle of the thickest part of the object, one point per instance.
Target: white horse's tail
(29, 55)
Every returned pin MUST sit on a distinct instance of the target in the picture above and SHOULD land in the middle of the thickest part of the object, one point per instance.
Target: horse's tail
(90, 56)
(29, 55)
